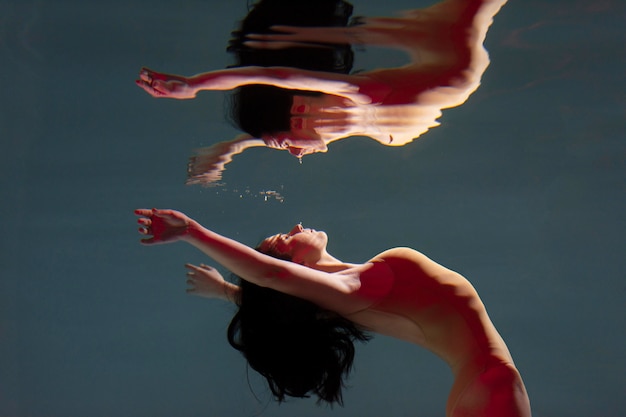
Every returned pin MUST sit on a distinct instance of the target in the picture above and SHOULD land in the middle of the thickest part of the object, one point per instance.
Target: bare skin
(444, 44)
(399, 293)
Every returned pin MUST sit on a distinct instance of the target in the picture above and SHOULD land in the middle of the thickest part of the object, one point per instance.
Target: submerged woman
(444, 43)
(399, 293)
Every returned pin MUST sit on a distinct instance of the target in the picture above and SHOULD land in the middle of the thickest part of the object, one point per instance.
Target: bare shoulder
(402, 258)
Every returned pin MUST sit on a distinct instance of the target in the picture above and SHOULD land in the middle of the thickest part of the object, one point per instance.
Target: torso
(432, 306)
(447, 61)
(436, 308)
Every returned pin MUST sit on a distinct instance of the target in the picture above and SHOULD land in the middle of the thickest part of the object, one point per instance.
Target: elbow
(271, 276)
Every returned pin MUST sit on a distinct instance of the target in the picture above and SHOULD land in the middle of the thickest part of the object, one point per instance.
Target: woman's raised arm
(330, 291)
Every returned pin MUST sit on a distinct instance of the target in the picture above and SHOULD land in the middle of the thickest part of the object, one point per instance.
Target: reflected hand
(207, 165)
(165, 85)
(163, 226)
(206, 281)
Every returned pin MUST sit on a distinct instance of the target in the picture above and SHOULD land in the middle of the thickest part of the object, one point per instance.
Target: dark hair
(264, 109)
(298, 347)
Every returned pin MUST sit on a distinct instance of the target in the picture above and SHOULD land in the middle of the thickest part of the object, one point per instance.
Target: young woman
(400, 293)
(444, 44)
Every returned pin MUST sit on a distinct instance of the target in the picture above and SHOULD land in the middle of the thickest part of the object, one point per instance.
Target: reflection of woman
(249, 109)
(393, 106)
(249, 104)
(400, 293)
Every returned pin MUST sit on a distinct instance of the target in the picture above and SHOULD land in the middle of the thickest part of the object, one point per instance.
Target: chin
(323, 236)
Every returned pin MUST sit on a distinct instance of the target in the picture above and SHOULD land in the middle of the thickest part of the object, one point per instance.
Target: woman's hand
(163, 226)
(165, 85)
(206, 281)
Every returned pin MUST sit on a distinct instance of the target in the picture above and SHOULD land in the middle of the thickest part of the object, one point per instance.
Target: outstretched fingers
(153, 212)
(145, 80)
(150, 87)
(145, 223)
(191, 277)
(152, 82)
(162, 226)
(193, 269)
(144, 212)
(197, 276)
(146, 74)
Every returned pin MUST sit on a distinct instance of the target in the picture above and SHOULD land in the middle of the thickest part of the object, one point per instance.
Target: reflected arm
(344, 85)
(207, 165)
(353, 87)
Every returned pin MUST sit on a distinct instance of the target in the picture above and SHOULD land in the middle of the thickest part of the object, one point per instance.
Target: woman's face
(300, 244)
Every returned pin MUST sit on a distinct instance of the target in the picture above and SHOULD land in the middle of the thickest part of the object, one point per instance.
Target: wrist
(196, 82)
(231, 292)
(192, 231)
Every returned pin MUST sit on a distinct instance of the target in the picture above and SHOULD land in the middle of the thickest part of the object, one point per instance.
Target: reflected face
(312, 118)
(300, 244)
(325, 106)
(296, 143)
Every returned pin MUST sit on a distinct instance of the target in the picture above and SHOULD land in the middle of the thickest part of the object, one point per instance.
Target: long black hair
(298, 347)
(263, 109)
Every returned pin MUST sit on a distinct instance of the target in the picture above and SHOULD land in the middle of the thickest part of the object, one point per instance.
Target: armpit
(376, 282)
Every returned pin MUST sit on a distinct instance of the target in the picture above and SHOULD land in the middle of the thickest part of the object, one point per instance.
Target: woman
(399, 293)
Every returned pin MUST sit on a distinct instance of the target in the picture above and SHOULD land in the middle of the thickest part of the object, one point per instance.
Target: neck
(329, 263)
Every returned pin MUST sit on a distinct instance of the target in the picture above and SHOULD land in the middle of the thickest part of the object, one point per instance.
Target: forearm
(229, 292)
(238, 258)
(228, 79)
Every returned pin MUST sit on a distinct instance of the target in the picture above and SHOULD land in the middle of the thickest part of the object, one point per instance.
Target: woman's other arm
(206, 281)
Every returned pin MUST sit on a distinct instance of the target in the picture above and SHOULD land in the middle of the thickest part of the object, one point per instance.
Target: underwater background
(521, 189)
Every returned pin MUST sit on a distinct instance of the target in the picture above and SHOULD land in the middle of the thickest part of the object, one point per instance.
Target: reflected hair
(264, 109)
(298, 347)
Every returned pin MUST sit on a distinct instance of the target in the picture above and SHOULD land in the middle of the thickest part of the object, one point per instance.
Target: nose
(297, 229)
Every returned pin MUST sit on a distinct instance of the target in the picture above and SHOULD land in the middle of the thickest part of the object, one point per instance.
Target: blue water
(521, 189)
